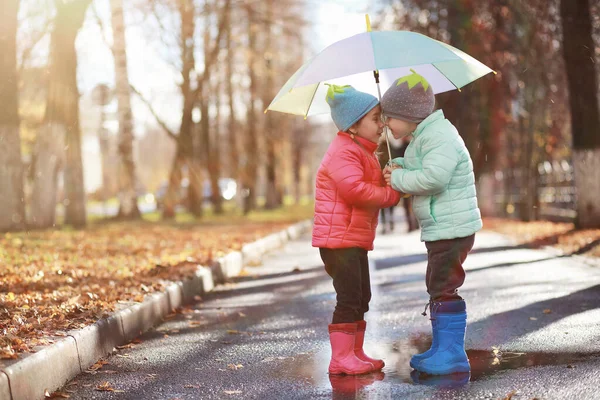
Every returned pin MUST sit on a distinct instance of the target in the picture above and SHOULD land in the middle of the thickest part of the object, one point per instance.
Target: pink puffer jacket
(350, 191)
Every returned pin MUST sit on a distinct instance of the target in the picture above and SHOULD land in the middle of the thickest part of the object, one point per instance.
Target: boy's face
(370, 126)
(400, 128)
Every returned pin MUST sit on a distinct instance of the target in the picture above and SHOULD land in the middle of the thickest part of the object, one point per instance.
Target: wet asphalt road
(264, 336)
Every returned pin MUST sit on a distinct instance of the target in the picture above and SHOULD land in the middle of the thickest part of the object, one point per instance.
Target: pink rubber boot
(343, 359)
(361, 326)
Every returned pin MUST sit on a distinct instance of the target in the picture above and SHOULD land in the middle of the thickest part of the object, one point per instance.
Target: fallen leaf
(510, 395)
(105, 387)
(233, 332)
(241, 314)
(99, 364)
(547, 311)
(191, 386)
(56, 395)
(235, 367)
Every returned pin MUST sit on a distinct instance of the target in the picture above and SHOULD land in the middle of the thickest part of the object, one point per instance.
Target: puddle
(483, 363)
(311, 368)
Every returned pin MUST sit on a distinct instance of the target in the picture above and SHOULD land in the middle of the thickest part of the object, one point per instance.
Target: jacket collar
(434, 116)
(367, 144)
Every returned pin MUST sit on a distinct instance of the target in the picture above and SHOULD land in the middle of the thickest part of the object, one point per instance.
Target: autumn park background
(133, 143)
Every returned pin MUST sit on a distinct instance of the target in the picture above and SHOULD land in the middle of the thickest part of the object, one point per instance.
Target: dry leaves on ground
(544, 233)
(52, 282)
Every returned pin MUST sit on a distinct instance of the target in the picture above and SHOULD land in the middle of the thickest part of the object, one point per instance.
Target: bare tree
(232, 134)
(128, 208)
(61, 125)
(578, 48)
(102, 96)
(189, 149)
(249, 173)
(273, 195)
(12, 214)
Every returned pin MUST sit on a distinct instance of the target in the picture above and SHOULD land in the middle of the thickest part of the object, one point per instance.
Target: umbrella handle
(385, 128)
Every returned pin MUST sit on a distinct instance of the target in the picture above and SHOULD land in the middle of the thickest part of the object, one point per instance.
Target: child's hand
(388, 177)
(390, 167)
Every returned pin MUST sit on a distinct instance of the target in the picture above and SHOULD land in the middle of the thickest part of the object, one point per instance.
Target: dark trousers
(445, 273)
(349, 269)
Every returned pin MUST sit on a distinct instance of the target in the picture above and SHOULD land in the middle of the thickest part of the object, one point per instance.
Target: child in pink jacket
(350, 191)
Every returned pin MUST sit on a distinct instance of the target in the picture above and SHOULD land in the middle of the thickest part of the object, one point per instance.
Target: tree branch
(214, 52)
(162, 124)
(101, 25)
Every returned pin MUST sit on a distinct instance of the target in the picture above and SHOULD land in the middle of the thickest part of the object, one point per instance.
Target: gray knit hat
(410, 99)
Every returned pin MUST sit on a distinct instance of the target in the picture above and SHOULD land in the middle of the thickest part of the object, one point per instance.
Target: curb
(55, 365)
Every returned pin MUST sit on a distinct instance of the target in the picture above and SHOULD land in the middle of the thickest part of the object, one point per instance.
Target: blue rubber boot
(414, 360)
(450, 356)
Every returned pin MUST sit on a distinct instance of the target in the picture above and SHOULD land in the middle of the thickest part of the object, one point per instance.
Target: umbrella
(384, 55)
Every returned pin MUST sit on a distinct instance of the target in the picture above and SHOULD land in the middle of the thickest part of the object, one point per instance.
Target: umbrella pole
(385, 128)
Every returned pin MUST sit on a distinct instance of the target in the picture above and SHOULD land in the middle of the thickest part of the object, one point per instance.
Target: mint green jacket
(437, 170)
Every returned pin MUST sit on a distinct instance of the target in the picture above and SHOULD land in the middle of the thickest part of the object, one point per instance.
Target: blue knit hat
(348, 105)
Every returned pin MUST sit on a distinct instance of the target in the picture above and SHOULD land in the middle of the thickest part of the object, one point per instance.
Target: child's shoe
(343, 359)
(450, 355)
(414, 361)
(361, 326)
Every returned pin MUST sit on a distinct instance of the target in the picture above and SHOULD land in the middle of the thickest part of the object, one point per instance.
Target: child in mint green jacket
(437, 170)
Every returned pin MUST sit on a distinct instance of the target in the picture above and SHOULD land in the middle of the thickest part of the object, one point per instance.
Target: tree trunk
(184, 139)
(12, 214)
(273, 197)
(299, 141)
(61, 126)
(49, 160)
(173, 188)
(214, 160)
(578, 47)
(209, 141)
(250, 163)
(128, 207)
(232, 141)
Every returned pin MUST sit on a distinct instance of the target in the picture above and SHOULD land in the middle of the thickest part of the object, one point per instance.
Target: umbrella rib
(311, 100)
(450, 80)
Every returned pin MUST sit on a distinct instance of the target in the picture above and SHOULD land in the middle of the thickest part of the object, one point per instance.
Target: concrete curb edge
(58, 363)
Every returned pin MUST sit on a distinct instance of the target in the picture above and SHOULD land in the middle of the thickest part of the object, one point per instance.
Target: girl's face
(400, 128)
(370, 126)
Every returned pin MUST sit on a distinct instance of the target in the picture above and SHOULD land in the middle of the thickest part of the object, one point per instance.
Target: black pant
(349, 269)
(445, 273)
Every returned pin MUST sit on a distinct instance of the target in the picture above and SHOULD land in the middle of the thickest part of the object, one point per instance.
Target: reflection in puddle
(452, 381)
(311, 368)
(351, 386)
